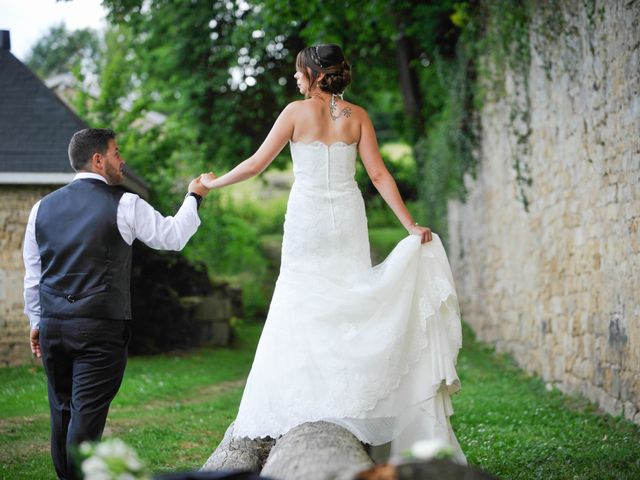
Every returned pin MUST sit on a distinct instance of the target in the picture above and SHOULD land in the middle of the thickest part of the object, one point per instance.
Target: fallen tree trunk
(238, 453)
(313, 451)
(316, 451)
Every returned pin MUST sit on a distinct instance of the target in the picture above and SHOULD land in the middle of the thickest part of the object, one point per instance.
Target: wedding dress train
(372, 349)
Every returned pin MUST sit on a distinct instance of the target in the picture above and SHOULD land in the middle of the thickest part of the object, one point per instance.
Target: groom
(77, 256)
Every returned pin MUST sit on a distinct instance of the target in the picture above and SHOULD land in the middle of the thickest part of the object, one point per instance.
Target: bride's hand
(207, 180)
(424, 232)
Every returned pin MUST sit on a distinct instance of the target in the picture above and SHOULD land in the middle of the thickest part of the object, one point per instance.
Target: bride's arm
(276, 140)
(383, 180)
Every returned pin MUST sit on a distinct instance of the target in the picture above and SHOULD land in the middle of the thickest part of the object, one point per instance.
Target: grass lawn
(173, 409)
(511, 426)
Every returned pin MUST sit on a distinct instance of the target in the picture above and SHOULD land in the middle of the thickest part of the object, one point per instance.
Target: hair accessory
(315, 56)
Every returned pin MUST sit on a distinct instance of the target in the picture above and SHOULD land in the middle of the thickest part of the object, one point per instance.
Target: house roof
(35, 129)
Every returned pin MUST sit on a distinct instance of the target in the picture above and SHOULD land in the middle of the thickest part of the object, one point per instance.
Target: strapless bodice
(328, 167)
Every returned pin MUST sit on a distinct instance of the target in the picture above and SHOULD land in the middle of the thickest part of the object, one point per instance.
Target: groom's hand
(34, 337)
(197, 187)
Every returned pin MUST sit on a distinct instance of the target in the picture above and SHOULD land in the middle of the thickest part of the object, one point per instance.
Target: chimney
(5, 40)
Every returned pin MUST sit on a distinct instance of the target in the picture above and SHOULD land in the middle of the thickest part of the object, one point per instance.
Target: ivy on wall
(492, 64)
(504, 55)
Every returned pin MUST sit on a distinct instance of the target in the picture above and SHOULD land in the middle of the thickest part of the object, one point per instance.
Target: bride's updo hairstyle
(327, 59)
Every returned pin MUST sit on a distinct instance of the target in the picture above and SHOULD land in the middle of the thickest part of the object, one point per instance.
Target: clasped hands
(201, 185)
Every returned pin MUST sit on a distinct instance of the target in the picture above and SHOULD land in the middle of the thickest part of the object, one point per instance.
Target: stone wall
(15, 205)
(546, 248)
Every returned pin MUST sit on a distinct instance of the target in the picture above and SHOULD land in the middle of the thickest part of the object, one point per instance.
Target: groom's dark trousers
(84, 359)
(85, 304)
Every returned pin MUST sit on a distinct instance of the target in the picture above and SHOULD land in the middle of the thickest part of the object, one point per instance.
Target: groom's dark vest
(86, 265)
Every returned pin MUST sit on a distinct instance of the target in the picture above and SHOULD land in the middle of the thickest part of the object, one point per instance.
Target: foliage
(493, 45)
(218, 87)
(383, 240)
(507, 48)
(219, 72)
(448, 152)
(507, 422)
(193, 61)
(230, 246)
(398, 157)
(60, 51)
(496, 40)
(224, 70)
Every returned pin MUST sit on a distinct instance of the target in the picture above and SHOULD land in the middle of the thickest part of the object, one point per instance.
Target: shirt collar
(95, 176)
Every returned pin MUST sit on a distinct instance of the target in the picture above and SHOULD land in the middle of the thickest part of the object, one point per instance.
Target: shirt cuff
(34, 321)
(197, 197)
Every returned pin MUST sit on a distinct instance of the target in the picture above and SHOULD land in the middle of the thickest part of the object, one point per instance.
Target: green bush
(230, 242)
(400, 162)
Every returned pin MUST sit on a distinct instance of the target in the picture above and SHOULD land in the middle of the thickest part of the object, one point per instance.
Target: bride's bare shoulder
(296, 107)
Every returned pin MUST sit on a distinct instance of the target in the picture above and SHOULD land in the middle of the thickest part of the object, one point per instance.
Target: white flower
(86, 449)
(112, 459)
(432, 448)
(119, 448)
(94, 468)
(113, 447)
(126, 476)
(132, 461)
(103, 449)
(98, 476)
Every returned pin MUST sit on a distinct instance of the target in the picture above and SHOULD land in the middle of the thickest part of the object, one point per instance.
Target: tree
(222, 71)
(61, 50)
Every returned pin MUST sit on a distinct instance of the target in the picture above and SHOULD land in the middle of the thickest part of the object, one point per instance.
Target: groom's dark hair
(85, 143)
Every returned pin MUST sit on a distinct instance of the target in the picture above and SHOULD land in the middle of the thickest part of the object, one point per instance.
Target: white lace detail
(328, 145)
(366, 347)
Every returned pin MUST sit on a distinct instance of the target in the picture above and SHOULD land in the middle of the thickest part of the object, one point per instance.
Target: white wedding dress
(370, 349)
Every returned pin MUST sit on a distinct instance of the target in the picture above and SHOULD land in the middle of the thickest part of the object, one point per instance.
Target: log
(313, 451)
(316, 451)
(238, 453)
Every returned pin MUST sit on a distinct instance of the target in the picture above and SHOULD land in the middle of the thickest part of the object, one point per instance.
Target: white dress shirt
(135, 219)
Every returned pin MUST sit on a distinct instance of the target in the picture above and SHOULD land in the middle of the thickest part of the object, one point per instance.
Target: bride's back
(313, 122)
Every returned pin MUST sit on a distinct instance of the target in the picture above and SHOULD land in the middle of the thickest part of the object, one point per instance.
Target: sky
(28, 20)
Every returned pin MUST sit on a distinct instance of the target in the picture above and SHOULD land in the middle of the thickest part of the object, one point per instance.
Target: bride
(372, 349)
